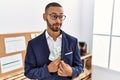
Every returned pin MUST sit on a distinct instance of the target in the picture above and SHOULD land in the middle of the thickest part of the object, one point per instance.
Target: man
(53, 55)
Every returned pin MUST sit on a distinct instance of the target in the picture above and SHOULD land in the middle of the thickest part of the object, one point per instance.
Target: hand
(64, 69)
(53, 66)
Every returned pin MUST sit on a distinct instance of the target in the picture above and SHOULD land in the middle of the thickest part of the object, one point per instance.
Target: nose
(58, 20)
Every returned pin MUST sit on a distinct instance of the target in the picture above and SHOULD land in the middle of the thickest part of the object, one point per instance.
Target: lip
(56, 26)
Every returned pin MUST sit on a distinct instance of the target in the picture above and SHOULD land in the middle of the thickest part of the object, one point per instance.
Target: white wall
(86, 22)
(26, 15)
(19, 16)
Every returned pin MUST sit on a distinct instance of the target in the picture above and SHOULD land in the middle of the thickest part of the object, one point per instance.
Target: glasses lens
(63, 17)
(54, 17)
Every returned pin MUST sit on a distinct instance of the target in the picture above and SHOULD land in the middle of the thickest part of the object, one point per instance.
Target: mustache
(57, 24)
(54, 23)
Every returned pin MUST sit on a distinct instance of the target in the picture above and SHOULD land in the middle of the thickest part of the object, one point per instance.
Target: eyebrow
(55, 13)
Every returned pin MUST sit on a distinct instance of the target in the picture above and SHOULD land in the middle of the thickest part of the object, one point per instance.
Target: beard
(52, 26)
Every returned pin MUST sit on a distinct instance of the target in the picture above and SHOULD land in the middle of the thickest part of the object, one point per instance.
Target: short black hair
(52, 4)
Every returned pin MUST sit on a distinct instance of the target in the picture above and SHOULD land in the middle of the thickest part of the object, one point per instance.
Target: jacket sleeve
(77, 63)
(31, 69)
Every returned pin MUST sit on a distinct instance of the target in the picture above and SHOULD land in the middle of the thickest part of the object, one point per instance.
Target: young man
(53, 55)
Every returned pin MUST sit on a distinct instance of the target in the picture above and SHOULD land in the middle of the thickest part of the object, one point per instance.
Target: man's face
(54, 18)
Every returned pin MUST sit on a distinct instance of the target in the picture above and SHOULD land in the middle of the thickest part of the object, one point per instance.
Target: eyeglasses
(54, 17)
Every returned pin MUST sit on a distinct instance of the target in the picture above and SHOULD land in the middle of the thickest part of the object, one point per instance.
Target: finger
(63, 64)
(61, 67)
(60, 72)
(67, 65)
(57, 61)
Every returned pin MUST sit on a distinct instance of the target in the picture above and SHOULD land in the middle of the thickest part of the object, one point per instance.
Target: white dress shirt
(54, 46)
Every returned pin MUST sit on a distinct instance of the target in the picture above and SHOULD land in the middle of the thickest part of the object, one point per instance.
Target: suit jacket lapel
(64, 45)
(44, 43)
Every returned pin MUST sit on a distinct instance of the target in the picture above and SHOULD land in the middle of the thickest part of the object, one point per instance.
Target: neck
(54, 35)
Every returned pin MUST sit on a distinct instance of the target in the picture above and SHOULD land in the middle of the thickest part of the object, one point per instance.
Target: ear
(44, 16)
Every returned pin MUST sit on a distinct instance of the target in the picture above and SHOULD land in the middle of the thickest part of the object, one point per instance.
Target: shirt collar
(48, 36)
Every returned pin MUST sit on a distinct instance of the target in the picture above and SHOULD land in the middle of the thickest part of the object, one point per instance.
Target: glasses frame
(54, 17)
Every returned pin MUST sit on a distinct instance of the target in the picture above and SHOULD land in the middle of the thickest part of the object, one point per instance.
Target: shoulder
(68, 37)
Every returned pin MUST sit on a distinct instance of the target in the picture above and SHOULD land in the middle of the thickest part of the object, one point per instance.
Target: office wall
(86, 22)
(26, 15)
